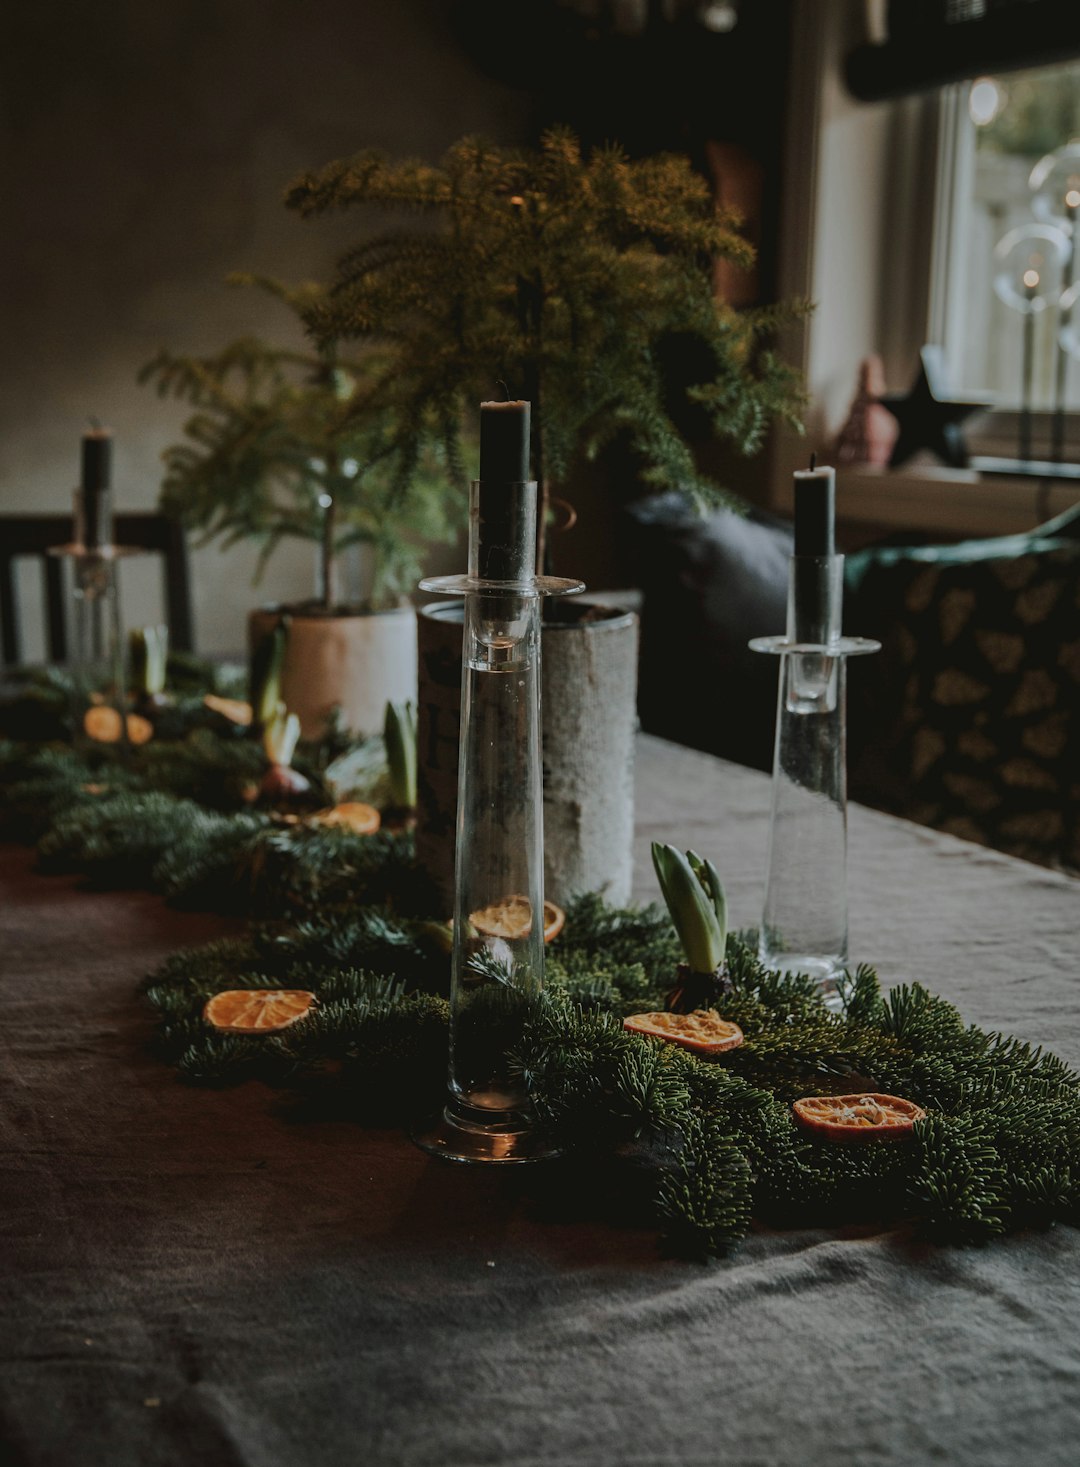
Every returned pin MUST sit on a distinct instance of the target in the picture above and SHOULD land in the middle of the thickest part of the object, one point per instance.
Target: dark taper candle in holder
(815, 511)
(93, 526)
(504, 460)
(815, 605)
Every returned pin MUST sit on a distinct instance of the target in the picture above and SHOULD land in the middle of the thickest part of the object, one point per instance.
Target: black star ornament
(928, 416)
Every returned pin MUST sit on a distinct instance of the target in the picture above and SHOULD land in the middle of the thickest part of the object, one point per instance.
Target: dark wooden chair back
(31, 535)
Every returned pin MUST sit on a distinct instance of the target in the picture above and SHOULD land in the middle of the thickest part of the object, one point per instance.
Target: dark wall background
(146, 147)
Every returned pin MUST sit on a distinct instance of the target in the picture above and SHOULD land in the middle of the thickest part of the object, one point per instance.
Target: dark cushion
(710, 583)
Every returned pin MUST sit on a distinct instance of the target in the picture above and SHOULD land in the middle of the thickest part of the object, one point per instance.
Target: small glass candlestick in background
(497, 967)
(804, 926)
(98, 660)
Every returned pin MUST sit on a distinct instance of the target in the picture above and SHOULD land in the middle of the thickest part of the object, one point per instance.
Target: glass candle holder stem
(804, 925)
(497, 964)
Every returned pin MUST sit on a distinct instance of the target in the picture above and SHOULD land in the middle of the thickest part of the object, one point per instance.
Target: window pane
(1007, 125)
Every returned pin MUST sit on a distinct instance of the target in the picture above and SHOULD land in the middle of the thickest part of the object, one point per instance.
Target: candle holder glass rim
(842, 647)
(530, 589)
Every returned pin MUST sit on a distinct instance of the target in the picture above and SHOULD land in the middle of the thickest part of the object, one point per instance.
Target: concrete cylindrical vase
(589, 717)
(355, 663)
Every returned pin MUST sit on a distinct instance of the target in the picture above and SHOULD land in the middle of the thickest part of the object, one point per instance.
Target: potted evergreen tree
(567, 277)
(294, 443)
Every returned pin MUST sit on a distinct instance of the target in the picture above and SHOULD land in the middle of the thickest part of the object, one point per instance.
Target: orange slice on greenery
(512, 918)
(103, 725)
(139, 730)
(857, 1117)
(231, 708)
(360, 819)
(257, 1010)
(703, 1031)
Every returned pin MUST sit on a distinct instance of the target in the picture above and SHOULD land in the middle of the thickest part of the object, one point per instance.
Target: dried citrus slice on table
(869, 1117)
(703, 1031)
(512, 917)
(257, 1010)
(352, 815)
(103, 724)
(139, 730)
(231, 708)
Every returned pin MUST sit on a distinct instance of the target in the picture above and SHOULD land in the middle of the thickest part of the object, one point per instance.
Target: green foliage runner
(705, 1147)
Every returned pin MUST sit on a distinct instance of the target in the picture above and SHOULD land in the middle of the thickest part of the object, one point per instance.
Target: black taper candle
(504, 461)
(95, 479)
(815, 511)
(815, 617)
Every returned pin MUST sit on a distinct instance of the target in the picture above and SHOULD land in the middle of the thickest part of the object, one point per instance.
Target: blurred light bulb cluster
(1034, 263)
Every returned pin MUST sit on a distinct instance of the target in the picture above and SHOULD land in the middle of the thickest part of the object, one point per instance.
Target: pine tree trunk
(327, 557)
(328, 560)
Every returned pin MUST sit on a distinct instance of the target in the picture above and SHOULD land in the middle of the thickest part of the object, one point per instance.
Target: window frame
(915, 145)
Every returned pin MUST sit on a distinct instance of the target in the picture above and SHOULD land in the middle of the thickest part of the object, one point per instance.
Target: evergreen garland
(704, 1146)
(709, 1145)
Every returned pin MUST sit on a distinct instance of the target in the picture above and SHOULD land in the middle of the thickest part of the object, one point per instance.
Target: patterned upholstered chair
(969, 720)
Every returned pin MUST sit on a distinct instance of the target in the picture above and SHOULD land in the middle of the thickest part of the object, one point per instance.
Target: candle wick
(95, 423)
(505, 390)
(813, 462)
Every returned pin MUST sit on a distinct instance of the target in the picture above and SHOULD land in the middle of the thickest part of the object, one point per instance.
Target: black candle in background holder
(93, 498)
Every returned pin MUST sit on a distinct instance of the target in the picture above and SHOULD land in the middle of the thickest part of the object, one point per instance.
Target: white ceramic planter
(355, 663)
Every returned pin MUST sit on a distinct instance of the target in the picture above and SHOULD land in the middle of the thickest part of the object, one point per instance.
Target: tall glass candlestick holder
(804, 926)
(497, 966)
(98, 651)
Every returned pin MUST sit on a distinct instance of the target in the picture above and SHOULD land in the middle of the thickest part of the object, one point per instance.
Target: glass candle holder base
(470, 1134)
(825, 971)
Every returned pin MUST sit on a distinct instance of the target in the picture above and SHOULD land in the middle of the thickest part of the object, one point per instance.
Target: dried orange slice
(512, 917)
(257, 1010)
(103, 724)
(353, 815)
(139, 730)
(703, 1031)
(230, 708)
(857, 1117)
(554, 921)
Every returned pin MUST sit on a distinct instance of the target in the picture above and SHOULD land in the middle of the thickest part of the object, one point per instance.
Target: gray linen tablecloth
(209, 1277)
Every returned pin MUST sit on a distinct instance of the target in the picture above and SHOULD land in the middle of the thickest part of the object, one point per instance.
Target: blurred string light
(1028, 265)
(986, 100)
(1055, 183)
(718, 15)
